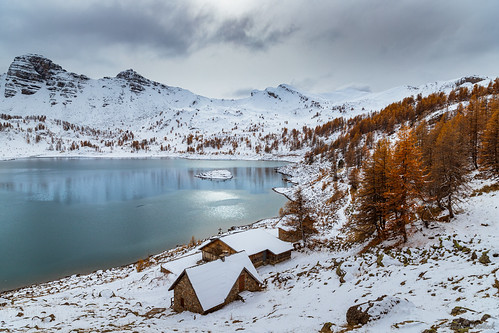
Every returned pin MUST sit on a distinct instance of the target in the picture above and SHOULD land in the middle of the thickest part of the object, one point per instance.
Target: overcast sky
(226, 48)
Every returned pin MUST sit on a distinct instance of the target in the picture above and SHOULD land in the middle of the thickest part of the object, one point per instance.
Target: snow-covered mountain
(445, 278)
(162, 117)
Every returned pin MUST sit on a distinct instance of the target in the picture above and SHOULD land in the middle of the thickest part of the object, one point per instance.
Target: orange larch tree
(374, 185)
(489, 152)
(405, 182)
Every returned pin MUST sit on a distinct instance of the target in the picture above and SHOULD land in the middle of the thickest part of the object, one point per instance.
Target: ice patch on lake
(215, 175)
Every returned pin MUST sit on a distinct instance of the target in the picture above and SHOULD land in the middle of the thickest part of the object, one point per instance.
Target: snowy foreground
(434, 281)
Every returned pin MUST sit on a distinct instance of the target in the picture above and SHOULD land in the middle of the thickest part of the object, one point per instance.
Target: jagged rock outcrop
(29, 73)
(135, 81)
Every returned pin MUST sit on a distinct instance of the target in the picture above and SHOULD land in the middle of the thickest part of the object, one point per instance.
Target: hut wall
(184, 290)
(213, 250)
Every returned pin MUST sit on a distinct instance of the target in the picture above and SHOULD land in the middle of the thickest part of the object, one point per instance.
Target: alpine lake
(63, 216)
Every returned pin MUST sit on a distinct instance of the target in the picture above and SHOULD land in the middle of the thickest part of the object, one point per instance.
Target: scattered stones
(485, 317)
(326, 328)
(462, 325)
(484, 258)
(154, 311)
(457, 310)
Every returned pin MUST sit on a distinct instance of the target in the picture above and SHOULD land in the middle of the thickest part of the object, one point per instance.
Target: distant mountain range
(36, 86)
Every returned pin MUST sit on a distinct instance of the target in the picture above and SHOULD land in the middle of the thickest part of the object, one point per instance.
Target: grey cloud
(320, 44)
(245, 32)
(243, 92)
(171, 27)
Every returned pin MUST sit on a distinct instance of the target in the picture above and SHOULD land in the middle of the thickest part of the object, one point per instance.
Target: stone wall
(249, 284)
(257, 258)
(213, 250)
(276, 258)
(184, 290)
(289, 235)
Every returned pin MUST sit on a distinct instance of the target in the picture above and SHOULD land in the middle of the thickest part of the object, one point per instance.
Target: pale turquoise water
(64, 216)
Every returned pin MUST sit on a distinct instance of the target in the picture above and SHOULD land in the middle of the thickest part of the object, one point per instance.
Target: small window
(181, 301)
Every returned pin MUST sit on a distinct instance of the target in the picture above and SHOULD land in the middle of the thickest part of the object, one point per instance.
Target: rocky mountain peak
(134, 79)
(28, 73)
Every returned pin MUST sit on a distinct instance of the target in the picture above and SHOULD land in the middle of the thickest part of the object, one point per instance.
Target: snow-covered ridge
(117, 112)
(36, 85)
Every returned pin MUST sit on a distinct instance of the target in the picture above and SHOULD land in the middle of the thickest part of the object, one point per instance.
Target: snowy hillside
(130, 114)
(444, 278)
(439, 280)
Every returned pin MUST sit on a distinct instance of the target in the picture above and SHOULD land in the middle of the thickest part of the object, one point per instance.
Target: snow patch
(215, 175)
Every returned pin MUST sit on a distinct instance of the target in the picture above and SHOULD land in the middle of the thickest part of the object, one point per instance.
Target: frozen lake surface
(64, 216)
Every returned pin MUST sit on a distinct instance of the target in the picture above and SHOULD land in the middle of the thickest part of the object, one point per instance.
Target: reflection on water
(61, 216)
(87, 184)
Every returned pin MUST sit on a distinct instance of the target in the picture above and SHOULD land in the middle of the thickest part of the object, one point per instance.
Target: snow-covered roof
(213, 281)
(254, 241)
(284, 224)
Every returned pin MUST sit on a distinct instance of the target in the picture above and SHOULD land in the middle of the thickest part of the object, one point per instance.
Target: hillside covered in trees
(395, 211)
(410, 161)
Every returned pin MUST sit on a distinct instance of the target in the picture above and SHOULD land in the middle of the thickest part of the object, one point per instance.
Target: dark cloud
(245, 32)
(171, 27)
(215, 47)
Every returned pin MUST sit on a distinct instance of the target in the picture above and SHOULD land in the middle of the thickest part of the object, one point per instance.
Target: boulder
(361, 314)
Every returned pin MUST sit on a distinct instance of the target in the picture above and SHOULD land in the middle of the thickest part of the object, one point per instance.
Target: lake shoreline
(169, 248)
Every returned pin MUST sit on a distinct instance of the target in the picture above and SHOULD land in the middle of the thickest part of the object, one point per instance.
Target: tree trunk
(449, 206)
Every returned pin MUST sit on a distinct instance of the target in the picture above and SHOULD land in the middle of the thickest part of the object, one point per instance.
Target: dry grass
(486, 189)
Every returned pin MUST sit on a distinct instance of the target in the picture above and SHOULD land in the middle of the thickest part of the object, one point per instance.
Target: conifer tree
(372, 193)
(489, 153)
(474, 116)
(406, 181)
(449, 167)
(299, 216)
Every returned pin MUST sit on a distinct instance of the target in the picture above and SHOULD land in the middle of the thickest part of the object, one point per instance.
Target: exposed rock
(153, 312)
(136, 81)
(461, 324)
(484, 258)
(361, 314)
(29, 73)
(326, 328)
(457, 310)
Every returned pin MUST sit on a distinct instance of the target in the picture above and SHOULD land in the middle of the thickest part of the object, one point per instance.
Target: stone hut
(261, 247)
(208, 287)
(286, 232)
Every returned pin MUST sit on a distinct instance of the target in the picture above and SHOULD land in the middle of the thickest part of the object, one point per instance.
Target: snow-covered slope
(434, 281)
(161, 117)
